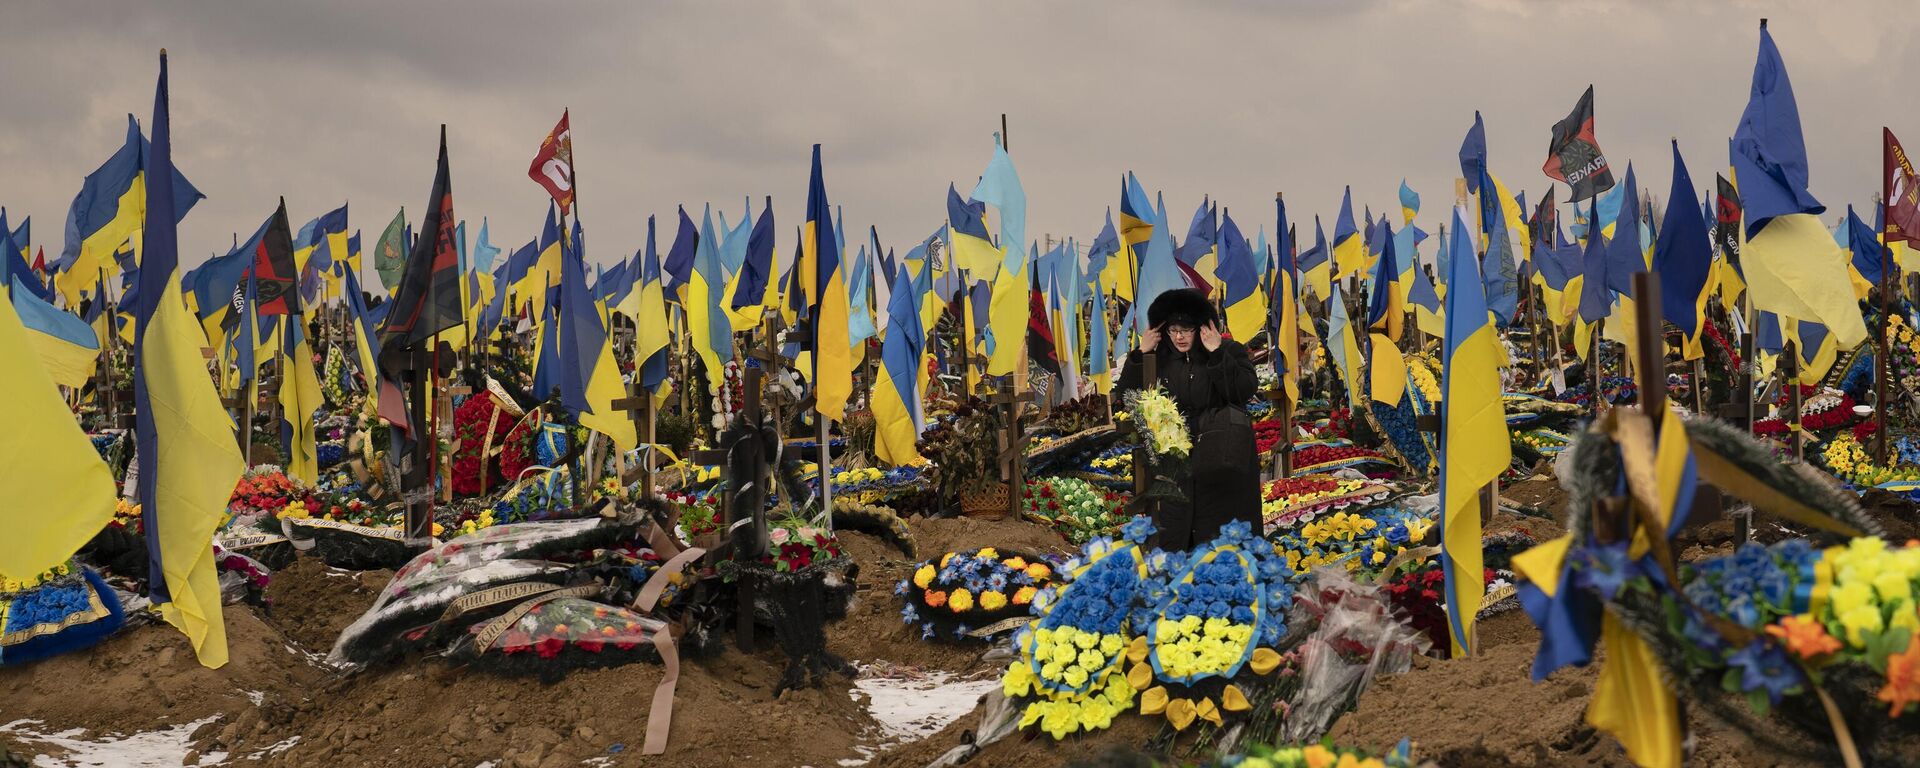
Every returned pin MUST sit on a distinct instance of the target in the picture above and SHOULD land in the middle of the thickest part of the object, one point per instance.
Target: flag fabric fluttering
(390, 252)
(552, 166)
(427, 302)
(653, 338)
(1474, 446)
(189, 461)
(589, 377)
(1008, 309)
(902, 371)
(827, 303)
(1343, 348)
(108, 212)
(708, 325)
(1246, 308)
(1284, 333)
(1349, 247)
(46, 461)
(1574, 155)
(1903, 185)
(1682, 256)
(1386, 313)
(1791, 264)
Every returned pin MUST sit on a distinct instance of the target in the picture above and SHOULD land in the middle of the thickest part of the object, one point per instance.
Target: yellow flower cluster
(1070, 657)
(485, 520)
(8, 586)
(1420, 373)
(1191, 647)
(1846, 458)
(1344, 526)
(1059, 715)
(1311, 756)
(1165, 428)
(296, 509)
(853, 476)
(1872, 588)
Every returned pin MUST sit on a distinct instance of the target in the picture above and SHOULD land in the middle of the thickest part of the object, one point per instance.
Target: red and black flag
(275, 290)
(1039, 332)
(428, 299)
(1574, 157)
(1726, 219)
(1903, 193)
(1545, 216)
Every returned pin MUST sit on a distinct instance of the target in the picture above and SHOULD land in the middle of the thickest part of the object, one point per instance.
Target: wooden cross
(1012, 442)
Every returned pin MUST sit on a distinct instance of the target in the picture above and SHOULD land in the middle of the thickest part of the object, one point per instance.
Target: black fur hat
(1186, 306)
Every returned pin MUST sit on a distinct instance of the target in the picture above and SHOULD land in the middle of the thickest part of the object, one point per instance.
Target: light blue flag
(484, 251)
(1000, 187)
(733, 243)
(1159, 272)
(860, 316)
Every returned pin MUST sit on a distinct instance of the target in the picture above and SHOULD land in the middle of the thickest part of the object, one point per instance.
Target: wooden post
(1593, 365)
(1886, 291)
(1652, 373)
(416, 486)
(1790, 372)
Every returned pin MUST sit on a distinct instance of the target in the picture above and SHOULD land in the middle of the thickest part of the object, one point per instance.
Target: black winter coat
(1212, 390)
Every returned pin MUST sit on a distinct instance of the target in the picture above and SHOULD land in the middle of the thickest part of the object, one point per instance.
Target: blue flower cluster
(1099, 600)
(549, 444)
(103, 443)
(1223, 577)
(330, 453)
(1908, 450)
(47, 604)
(1859, 377)
(1402, 430)
(1219, 589)
(1753, 586)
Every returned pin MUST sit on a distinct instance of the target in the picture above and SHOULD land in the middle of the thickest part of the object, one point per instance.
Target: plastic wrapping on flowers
(972, 594)
(550, 637)
(1352, 637)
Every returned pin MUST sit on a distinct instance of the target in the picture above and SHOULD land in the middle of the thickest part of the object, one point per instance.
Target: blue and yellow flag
(751, 291)
(1474, 445)
(825, 284)
(1246, 307)
(1137, 223)
(189, 460)
(1409, 203)
(1159, 270)
(108, 212)
(1683, 257)
(903, 370)
(1349, 253)
(1316, 264)
(1285, 330)
(1791, 264)
(973, 249)
(46, 462)
(1344, 349)
(708, 325)
(1386, 314)
(1010, 307)
(588, 377)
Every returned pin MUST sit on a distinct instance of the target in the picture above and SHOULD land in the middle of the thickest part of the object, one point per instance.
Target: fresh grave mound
(1021, 749)
(1486, 710)
(442, 715)
(311, 601)
(146, 678)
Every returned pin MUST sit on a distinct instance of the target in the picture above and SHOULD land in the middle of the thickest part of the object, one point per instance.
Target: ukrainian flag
(973, 249)
(59, 491)
(751, 290)
(1316, 265)
(65, 345)
(1475, 447)
(1246, 307)
(108, 212)
(708, 325)
(1683, 257)
(1342, 347)
(896, 392)
(1136, 227)
(543, 275)
(1349, 249)
(1286, 313)
(190, 462)
(826, 291)
(1387, 370)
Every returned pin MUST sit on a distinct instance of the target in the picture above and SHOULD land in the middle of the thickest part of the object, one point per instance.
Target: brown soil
(1021, 749)
(1541, 492)
(428, 712)
(1486, 710)
(147, 678)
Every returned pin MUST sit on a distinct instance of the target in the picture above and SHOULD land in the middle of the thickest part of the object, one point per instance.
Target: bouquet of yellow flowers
(1161, 426)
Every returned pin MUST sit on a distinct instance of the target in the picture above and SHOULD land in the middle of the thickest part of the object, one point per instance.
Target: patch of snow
(275, 748)
(917, 705)
(256, 696)
(165, 748)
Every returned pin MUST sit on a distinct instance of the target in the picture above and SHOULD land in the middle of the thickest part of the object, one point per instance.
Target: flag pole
(1886, 288)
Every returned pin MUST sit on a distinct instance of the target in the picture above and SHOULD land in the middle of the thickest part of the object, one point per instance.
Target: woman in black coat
(1211, 380)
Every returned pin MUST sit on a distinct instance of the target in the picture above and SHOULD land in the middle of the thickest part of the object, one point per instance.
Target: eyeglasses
(1177, 330)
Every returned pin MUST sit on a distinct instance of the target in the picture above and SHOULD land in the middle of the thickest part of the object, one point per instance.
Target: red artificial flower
(515, 641)
(549, 647)
(591, 646)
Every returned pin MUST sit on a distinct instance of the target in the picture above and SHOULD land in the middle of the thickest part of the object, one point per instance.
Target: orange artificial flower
(936, 598)
(1803, 636)
(1903, 679)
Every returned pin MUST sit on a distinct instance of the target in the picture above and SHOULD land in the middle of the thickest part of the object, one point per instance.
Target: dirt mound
(873, 629)
(1486, 710)
(312, 602)
(146, 678)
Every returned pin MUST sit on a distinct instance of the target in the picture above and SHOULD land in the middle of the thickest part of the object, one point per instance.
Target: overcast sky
(705, 101)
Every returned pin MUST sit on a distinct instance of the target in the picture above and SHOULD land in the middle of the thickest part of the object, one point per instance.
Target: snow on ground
(165, 748)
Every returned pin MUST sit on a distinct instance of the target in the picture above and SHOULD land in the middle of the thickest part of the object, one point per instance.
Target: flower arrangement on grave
(1068, 676)
(972, 594)
(1288, 502)
(1363, 541)
(963, 450)
(1078, 509)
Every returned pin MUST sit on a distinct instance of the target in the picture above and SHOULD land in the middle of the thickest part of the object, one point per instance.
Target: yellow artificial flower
(961, 600)
(924, 576)
(992, 601)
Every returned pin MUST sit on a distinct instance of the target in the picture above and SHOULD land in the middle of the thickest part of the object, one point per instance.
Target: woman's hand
(1210, 337)
(1149, 340)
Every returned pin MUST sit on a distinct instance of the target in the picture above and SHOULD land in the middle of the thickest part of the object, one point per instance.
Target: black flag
(1726, 220)
(428, 300)
(1574, 157)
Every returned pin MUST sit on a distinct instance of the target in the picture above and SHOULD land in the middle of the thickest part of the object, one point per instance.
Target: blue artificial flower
(1219, 608)
(1604, 569)
(1776, 589)
(997, 582)
(1741, 610)
(1236, 530)
(1764, 667)
(1243, 615)
(901, 588)
(909, 615)
(1138, 530)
